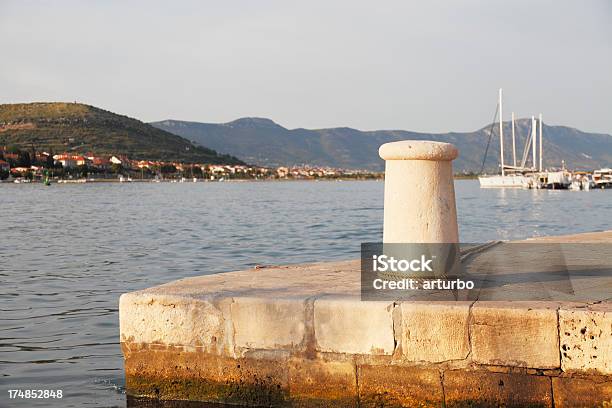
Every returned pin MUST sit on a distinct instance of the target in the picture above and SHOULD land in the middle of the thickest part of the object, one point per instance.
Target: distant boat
(602, 178)
(71, 181)
(555, 180)
(514, 176)
(509, 181)
(587, 182)
(581, 181)
(576, 185)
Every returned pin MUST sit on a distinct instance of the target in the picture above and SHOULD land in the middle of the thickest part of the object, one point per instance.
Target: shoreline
(92, 181)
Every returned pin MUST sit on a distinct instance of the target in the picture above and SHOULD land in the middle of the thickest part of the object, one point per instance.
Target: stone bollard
(420, 218)
(419, 192)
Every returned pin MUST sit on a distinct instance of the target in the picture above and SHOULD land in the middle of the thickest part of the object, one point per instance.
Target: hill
(264, 142)
(82, 128)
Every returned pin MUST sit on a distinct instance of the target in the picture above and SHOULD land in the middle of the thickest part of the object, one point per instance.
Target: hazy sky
(415, 65)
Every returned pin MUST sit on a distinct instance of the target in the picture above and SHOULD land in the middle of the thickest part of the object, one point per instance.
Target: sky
(432, 66)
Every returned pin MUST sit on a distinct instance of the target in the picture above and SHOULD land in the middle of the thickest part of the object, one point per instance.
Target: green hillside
(75, 127)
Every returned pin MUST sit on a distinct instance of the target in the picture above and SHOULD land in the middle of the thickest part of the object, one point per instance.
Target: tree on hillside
(168, 169)
(33, 154)
(50, 163)
(196, 171)
(24, 159)
(116, 168)
(82, 170)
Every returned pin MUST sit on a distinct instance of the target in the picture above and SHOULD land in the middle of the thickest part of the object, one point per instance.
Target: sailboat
(513, 176)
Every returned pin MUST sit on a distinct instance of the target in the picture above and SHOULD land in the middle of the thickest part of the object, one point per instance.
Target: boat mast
(513, 143)
(540, 142)
(501, 134)
(534, 136)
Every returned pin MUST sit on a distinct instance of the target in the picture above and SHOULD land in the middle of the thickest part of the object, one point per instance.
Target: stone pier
(301, 336)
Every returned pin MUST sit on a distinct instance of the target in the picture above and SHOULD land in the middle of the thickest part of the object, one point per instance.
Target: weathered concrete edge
(327, 379)
(513, 334)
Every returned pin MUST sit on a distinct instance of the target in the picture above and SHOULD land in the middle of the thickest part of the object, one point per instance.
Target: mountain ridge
(265, 142)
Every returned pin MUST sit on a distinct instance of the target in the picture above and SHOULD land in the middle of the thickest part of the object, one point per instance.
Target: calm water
(68, 251)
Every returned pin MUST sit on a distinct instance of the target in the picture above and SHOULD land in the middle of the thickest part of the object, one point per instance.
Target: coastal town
(22, 166)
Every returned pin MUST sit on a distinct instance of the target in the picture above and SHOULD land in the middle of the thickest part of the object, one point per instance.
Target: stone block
(321, 383)
(586, 338)
(172, 320)
(463, 388)
(268, 322)
(434, 332)
(348, 325)
(171, 373)
(582, 392)
(397, 386)
(521, 334)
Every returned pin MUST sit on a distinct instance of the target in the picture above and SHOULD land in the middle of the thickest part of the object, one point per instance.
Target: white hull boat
(517, 175)
(576, 185)
(508, 181)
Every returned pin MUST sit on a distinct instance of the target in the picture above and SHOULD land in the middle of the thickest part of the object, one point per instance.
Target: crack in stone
(559, 339)
(396, 335)
(443, 390)
(470, 320)
(552, 393)
(224, 305)
(357, 382)
(309, 341)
